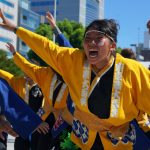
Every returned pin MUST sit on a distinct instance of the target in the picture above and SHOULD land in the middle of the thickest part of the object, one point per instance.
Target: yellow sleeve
(141, 87)
(18, 85)
(6, 75)
(36, 73)
(47, 109)
(51, 53)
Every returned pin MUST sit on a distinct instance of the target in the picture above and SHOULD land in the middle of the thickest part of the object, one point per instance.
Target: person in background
(101, 116)
(54, 90)
(34, 100)
(128, 53)
(148, 26)
(32, 95)
(44, 141)
(20, 118)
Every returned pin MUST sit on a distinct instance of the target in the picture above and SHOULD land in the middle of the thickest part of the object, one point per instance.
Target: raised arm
(6, 75)
(57, 57)
(60, 38)
(35, 72)
(6, 23)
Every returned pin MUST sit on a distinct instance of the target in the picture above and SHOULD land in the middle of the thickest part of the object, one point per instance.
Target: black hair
(128, 53)
(108, 26)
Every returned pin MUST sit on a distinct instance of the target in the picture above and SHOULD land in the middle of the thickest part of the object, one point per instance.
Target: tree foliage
(72, 30)
(8, 64)
(45, 31)
(118, 49)
(66, 143)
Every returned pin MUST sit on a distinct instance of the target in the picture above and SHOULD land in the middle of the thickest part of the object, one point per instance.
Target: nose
(93, 42)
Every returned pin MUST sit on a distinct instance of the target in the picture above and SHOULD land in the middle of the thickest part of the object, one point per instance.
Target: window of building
(5, 39)
(8, 3)
(24, 17)
(9, 16)
(43, 3)
(23, 44)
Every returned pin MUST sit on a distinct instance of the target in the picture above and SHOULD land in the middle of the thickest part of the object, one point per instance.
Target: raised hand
(6, 23)
(119, 131)
(51, 19)
(11, 48)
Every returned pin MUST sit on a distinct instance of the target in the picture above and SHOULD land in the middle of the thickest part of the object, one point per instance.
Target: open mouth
(93, 54)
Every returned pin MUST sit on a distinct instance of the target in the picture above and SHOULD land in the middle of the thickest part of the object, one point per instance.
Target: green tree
(45, 31)
(8, 64)
(76, 38)
(118, 49)
(72, 30)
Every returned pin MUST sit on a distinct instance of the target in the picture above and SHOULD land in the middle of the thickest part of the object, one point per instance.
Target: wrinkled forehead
(94, 33)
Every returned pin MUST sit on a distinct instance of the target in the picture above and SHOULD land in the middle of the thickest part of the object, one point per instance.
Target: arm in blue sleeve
(60, 38)
(63, 41)
(23, 120)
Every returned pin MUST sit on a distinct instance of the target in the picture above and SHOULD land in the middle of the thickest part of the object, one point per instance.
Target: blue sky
(132, 16)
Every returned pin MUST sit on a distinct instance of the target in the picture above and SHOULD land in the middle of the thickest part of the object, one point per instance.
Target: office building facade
(27, 19)
(82, 11)
(10, 9)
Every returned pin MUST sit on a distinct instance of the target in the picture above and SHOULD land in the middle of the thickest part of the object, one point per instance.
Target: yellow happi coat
(46, 78)
(130, 89)
(18, 84)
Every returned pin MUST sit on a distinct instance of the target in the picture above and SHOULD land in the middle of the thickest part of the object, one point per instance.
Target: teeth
(93, 56)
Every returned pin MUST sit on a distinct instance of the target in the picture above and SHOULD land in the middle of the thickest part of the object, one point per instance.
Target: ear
(113, 46)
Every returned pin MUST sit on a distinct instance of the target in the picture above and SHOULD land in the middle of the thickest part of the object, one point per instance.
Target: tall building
(10, 9)
(146, 40)
(27, 19)
(83, 11)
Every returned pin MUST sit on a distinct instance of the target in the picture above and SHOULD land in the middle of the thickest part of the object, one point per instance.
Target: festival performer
(61, 92)
(22, 119)
(32, 95)
(99, 84)
(54, 90)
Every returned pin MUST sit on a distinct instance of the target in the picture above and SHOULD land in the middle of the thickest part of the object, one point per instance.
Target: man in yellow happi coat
(48, 81)
(107, 90)
(54, 89)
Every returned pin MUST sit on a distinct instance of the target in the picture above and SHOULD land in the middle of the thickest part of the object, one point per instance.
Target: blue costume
(23, 120)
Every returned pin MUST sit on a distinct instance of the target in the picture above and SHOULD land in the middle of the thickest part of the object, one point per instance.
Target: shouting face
(97, 46)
